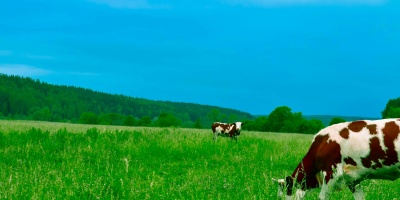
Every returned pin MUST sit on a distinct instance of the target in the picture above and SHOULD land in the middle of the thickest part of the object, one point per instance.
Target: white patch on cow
(380, 125)
(331, 130)
(218, 129)
(357, 145)
(230, 127)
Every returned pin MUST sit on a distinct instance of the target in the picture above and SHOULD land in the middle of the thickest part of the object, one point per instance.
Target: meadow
(43, 160)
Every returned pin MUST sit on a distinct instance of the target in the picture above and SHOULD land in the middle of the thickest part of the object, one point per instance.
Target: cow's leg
(357, 191)
(332, 180)
(215, 136)
(300, 194)
(326, 185)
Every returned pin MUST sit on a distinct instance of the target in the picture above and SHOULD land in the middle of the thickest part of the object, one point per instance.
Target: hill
(26, 98)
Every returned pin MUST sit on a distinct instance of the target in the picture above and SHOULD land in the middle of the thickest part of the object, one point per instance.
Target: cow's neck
(305, 173)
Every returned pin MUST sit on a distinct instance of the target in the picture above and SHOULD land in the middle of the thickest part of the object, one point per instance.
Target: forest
(24, 98)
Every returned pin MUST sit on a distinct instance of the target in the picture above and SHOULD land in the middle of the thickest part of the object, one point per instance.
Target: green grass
(41, 160)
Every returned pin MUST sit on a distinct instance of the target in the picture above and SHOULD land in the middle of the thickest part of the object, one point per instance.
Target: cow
(224, 129)
(346, 153)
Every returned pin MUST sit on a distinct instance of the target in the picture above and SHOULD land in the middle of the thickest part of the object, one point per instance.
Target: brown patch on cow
(216, 124)
(327, 154)
(344, 133)
(366, 162)
(233, 131)
(327, 157)
(350, 161)
(372, 129)
(315, 160)
(376, 153)
(357, 126)
(390, 133)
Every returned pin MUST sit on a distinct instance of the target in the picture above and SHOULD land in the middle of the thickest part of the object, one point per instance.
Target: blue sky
(337, 57)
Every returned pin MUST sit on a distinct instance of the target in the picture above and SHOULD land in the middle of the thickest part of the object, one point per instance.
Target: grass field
(42, 160)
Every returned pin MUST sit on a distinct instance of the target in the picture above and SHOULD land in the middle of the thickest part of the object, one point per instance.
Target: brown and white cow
(224, 129)
(347, 153)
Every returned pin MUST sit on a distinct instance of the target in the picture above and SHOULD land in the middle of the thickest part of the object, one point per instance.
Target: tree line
(26, 98)
(29, 99)
(282, 119)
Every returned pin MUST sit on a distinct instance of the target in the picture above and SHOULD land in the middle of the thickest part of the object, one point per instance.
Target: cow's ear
(279, 181)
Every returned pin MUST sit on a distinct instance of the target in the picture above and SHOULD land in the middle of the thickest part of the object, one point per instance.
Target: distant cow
(348, 153)
(224, 129)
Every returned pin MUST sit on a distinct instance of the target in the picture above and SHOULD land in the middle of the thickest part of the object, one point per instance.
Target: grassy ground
(41, 160)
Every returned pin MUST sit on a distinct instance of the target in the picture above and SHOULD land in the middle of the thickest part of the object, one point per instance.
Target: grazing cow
(224, 129)
(348, 153)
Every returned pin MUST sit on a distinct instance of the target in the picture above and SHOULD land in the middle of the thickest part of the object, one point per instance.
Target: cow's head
(285, 189)
(238, 126)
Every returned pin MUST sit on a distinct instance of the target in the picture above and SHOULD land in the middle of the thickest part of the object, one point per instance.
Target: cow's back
(219, 127)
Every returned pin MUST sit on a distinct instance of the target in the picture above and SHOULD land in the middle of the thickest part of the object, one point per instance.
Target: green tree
(104, 119)
(115, 118)
(294, 123)
(233, 118)
(389, 111)
(197, 124)
(145, 121)
(129, 121)
(314, 126)
(259, 124)
(88, 118)
(41, 114)
(276, 119)
(214, 115)
(394, 112)
(167, 120)
(336, 120)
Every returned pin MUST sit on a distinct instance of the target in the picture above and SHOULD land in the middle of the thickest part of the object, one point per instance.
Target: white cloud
(303, 2)
(22, 70)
